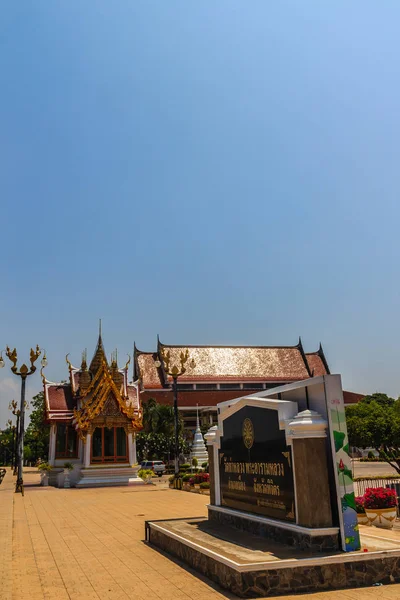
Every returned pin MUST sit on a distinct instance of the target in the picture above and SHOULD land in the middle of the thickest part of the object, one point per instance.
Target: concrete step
(108, 477)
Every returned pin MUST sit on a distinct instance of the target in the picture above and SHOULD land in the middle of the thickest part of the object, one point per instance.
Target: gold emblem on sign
(248, 433)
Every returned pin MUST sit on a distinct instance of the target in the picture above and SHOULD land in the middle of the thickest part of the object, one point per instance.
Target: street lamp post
(23, 372)
(11, 427)
(175, 371)
(13, 406)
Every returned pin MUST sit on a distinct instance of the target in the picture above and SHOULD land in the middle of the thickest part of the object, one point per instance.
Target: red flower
(380, 498)
(341, 465)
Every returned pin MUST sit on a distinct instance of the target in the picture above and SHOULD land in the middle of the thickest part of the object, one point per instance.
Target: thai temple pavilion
(93, 421)
(95, 416)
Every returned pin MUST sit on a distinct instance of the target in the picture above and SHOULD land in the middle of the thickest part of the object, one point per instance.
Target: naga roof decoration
(95, 397)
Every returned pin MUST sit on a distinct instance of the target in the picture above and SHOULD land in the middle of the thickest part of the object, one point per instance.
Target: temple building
(218, 373)
(94, 418)
(96, 414)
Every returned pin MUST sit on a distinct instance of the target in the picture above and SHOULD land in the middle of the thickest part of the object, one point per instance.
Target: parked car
(155, 465)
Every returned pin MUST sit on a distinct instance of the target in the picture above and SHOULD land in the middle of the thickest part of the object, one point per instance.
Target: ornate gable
(103, 400)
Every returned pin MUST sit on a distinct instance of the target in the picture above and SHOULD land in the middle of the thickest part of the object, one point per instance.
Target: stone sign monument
(256, 473)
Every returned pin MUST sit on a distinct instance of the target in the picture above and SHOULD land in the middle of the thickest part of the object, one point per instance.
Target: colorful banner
(342, 467)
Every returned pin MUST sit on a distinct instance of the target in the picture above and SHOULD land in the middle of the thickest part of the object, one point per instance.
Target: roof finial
(99, 328)
(197, 422)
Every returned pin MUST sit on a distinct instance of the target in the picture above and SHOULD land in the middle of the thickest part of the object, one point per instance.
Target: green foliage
(382, 399)
(158, 446)
(159, 418)
(186, 477)
(371, 454)
(375, 423)
(69, 466)
(38, 431)
(6, 447)
(44, 467)
(156, 441)
(145, 474)
(204, 465)
(195, 462)
(205, 485)
(185, 466)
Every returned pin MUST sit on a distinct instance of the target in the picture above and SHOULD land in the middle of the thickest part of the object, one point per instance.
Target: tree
(158, 446)
(6, 446)
(159, 418)
(156, 441)
(375, 423)
(38, 431)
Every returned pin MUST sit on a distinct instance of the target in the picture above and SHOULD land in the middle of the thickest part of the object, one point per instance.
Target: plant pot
(382, 517)
(362, 519)
(67, 483)
(196, 486)
(44, 478)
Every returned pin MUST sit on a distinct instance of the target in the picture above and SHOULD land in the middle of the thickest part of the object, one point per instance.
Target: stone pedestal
(210, 438)
(307, 435)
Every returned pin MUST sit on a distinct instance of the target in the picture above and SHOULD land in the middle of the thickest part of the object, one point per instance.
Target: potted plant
(44, 469)
(146, 475)
(68, 467)
(205, 487)
(360, 510)
(381, 506)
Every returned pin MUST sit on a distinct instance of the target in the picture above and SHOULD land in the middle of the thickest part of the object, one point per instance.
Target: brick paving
(88, 543)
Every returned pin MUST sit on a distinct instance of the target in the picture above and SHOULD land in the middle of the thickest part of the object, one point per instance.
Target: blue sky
(222, 173)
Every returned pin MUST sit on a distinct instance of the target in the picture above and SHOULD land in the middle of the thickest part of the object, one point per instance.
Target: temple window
(109, 444)
(66, 441)
(253, 386)
(229, 386)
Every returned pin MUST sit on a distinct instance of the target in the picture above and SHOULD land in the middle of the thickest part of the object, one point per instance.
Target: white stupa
(199, 448)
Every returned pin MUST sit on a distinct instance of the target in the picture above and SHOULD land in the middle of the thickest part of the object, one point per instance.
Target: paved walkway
(86, 544)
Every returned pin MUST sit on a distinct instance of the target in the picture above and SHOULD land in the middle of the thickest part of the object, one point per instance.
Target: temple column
(86, 451)
(131, 449)
(52, 444)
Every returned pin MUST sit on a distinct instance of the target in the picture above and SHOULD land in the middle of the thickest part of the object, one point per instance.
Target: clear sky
(215, 172)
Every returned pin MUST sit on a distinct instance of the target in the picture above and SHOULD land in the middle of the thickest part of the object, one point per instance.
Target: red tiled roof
(217, 363)
(352, 397)
(60, 398)
(147, 370)
(316, 364)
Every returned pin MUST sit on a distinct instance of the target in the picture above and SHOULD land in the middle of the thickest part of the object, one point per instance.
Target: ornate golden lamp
(23, 372)
(175, 371)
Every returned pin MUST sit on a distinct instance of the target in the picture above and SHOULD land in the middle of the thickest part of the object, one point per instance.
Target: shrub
(185, 466)
(171, 479)
(204, 465)
(195, 462)
(69, 466)
(379, 498)
(205, 485)
(360, 509)
(44, 467)
(371, 454)
(186, 478)
(199, 478)
(146, 474)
